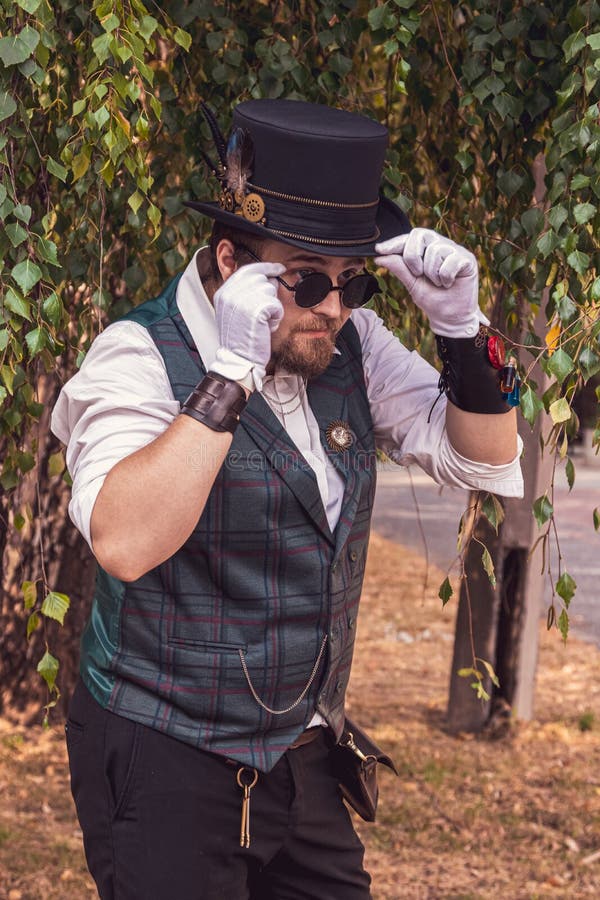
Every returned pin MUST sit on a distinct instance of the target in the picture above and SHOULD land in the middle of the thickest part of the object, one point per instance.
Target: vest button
(334, 568)
(339, 687)
(353, 555)
(351, 622)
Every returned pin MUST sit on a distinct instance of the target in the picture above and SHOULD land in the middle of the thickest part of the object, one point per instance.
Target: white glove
(441, 277)
(247, 310)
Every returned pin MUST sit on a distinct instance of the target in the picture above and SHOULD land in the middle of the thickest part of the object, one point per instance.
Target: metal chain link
(281, 712)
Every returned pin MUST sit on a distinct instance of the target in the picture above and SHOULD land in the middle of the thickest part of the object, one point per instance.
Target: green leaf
(7, 105)
(135, 201)
(560, 411)
(55, 606)
(468, 672)
(445, 591)
(570, 473)
(565, 588)
(488, 565)
(182, 38)
(563, 624)
(593, 41)
(22, 212)
(573, 45)
(29, 589)
(547, 243)
(579, 261)
(17, 304)
(583, 212)
(29, 6)
(36, 341)
(16, 48)
(509, 183)
(32, 623)
(154, 216)
(100, 46)
(56, 169)
(26, 274)
(48, 669)
(15, 233)
(48, 251)
(557, 216)
(464, 159)
(596, 518)
(56, 464)
(147, 27)
(531, 405)
(52, 309)
(3, 342)
(579, 181)
(110, 23)
(493, 511)
(376, 16)
(542, 510)
(560, 364)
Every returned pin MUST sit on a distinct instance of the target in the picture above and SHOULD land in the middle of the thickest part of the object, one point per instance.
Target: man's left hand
(441, 277)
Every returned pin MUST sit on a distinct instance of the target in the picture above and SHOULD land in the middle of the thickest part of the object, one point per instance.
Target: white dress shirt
(121, 399)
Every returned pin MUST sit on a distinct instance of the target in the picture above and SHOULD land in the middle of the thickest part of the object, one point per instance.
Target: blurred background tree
(493, 117)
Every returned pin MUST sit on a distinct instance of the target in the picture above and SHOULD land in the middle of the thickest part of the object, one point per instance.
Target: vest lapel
(329, 397)
(266, 431)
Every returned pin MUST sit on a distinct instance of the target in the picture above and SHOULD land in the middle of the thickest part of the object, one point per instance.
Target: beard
(307, 356)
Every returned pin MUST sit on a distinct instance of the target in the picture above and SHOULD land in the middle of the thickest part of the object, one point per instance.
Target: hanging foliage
(493, 115)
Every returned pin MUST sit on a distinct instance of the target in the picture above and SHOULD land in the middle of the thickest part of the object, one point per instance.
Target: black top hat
(304, 174)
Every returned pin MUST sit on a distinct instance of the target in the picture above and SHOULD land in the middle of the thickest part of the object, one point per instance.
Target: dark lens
(312, 289)
(359, 290)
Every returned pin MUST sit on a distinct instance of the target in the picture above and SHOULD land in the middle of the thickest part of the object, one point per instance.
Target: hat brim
(391, 221)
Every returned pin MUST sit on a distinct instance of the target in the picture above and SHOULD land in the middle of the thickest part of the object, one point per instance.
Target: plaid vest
(232, 643)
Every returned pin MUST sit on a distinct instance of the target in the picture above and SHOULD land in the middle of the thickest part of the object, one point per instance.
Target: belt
(307, 737)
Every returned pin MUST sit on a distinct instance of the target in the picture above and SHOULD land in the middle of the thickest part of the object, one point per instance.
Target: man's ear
(226, 258)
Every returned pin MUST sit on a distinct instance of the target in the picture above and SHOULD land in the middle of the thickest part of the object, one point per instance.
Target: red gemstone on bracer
(496, 351)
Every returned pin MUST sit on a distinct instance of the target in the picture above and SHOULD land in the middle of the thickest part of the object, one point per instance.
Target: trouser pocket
(122, 747)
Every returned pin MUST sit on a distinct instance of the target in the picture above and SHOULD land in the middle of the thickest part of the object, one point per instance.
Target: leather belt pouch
(354, 760)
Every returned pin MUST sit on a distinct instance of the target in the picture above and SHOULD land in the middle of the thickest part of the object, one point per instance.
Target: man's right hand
(247, 310)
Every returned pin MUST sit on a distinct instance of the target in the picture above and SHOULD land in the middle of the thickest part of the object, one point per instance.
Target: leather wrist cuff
(217, 402)
(469, 379)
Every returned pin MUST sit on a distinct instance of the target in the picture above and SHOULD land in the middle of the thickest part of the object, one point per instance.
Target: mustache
(318, 324)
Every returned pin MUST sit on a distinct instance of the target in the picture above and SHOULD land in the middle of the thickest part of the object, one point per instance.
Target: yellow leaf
(81, 163)
(552, 337)
(124, 123)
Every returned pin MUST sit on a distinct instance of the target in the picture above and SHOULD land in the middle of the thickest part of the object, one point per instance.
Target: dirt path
(511, 819)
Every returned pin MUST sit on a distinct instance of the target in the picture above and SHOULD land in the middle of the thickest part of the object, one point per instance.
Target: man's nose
(331, 306)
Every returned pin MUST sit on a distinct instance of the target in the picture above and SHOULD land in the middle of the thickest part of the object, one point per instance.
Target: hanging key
(246, 779)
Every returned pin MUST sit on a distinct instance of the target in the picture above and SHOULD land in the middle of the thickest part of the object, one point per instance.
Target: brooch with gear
(339, 437)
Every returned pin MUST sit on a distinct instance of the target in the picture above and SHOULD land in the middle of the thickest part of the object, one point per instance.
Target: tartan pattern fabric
(261, 576)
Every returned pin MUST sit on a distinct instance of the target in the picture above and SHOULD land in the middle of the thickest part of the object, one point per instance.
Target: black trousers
(161, 819)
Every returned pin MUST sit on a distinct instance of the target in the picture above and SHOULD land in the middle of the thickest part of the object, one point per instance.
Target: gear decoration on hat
(339, 436)
(234, 170)
(253, 208)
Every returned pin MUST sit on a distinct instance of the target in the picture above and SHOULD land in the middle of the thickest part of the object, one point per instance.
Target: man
(221, 440)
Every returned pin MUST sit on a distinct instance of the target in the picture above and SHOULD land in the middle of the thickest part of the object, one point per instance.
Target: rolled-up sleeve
(409, 415)
(119, 401)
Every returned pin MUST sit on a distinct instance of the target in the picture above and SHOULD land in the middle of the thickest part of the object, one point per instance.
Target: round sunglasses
(312, 289)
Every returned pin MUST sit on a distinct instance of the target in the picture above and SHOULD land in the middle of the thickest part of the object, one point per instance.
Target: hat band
(326, 242)
(327, 224)
(291, 198)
